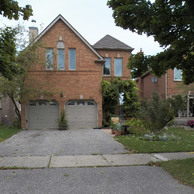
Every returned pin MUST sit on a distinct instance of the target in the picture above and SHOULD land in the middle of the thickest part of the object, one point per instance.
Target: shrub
(164, 137)
(156, 113)
(136, 126)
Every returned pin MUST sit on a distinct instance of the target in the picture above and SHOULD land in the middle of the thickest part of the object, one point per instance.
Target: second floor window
(61, 55)
(118, 67)
(107, 67)
(49, 59)
(61, 59)
(72, 59)
(177, 74)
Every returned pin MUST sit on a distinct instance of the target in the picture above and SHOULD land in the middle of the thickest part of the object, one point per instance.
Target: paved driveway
(55, 142)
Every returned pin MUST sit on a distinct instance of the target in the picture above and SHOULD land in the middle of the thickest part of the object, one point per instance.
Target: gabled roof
(60, 17)
(111, 43)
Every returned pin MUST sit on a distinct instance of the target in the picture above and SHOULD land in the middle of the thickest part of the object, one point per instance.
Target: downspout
(166, 85)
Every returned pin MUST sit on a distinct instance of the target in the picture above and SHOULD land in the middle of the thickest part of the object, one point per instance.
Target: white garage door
(42, 115)
(81, 114)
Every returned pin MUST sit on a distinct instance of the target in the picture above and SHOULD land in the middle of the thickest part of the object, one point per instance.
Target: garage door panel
(82, 114)
(42, 115)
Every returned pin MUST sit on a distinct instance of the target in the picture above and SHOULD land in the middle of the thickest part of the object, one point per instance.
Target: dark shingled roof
(111, 43)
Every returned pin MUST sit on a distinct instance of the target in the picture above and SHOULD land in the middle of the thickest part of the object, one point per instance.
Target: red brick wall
(117, 54)
(147, 87)
(85, 80)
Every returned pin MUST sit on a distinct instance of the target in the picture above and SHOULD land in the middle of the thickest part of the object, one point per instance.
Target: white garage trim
(42, 114)
(81, 114)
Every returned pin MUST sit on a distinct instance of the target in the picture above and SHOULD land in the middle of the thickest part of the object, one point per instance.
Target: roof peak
(108, 42)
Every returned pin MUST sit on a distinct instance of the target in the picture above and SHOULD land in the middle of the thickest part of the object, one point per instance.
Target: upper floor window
(61, 55)
(107, 67)
(49, 59)
(72, 59)
(118, 66)
(61, 59)
(177, 74)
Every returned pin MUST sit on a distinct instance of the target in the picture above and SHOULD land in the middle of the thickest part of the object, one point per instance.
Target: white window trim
(58, 61)
(180, 79)
(49, 69)
(121, 69)
(103, 68)
(75, 59)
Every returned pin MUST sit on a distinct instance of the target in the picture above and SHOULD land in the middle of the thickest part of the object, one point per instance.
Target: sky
(91, 18)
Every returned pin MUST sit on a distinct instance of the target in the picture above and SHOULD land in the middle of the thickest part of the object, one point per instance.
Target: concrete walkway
(89, 160)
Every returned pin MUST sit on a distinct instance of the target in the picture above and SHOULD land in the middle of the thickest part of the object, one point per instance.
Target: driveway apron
(59, 143)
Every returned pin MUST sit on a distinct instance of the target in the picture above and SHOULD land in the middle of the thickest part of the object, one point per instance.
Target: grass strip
(137, 144)
(182, 170)
(6, 132)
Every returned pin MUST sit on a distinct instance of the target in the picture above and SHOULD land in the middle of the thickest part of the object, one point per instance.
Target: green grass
(182, 170)
(6, 132)
(138, 145)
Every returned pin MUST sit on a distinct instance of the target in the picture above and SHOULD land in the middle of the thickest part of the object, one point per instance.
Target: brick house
(74, 70)
(167, 86)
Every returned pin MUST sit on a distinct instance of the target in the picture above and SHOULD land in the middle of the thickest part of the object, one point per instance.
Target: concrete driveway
(59, 143)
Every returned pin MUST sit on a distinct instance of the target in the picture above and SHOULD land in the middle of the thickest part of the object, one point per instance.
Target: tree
(8, 52)
(11, 10)
(19, 85)
(170, 22)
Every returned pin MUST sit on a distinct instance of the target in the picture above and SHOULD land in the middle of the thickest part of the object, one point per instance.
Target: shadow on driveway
(59, 143)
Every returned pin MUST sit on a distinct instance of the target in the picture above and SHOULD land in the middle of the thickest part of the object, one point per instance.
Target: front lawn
(6, 132)
(182, 170)
(184, 142)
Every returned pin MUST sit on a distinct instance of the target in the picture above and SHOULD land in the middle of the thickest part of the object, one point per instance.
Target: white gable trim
(73, 29)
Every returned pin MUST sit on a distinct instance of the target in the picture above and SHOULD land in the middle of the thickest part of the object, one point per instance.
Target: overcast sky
(91, 18)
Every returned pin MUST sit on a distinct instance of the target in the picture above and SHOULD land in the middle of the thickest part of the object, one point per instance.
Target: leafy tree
(171, 22)
(138, 64)
(11, 10)
(19, 86)
(8, 52)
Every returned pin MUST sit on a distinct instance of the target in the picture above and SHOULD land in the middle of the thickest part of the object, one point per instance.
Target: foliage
(6, 132)
(156, 113)
(116, 126)
(171, 23)
(184, 142)
(18, 86)
(138, 64)
(136, 126)
(8, 52)
(63, 124)
(110, 95)
(177, 102)
(183, 170)
(163, 137)
(11, 10)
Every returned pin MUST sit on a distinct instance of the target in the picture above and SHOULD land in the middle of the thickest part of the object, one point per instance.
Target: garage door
(42, 115)
(81, 114)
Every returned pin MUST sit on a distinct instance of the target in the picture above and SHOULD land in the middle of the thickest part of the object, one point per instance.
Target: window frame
(104, 66)
(63, 57)
(118, 58)
(52, 64)
(179, 78)
(69, 51)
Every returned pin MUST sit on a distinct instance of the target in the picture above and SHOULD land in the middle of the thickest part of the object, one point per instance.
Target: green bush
(136, 126)
(156, 113)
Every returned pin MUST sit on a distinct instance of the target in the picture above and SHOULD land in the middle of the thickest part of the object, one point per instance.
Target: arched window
(61, 55)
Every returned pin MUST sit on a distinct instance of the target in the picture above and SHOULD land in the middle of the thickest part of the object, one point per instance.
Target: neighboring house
(7, 111)
(167, 86)
(74, 70)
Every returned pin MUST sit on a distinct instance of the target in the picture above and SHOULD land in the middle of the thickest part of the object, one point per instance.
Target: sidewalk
(89, 160)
